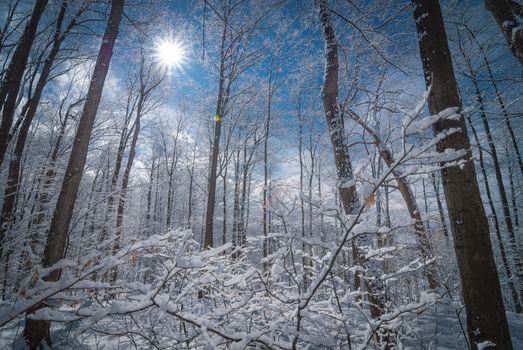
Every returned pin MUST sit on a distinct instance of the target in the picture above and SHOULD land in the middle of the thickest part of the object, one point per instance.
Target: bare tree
(171, 167)
(333, 114)
(14, 165)
(149, 80)
(497, 171)
(36, 331)
(130, 107)
(13, 78)
(409, 199)
(235, 56)
(486, 319)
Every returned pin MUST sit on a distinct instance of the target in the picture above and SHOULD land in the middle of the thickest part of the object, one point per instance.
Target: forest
(261, 174)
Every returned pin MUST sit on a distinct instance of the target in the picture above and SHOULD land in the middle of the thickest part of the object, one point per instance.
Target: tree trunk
(224, 203)
(405, 190)
(378, 192)
(497, 171)
(13, 78)
(243, 201)
(211, 195)
(513, 195)
(169, 202)
(322, 216)
(486, 319)
(124, 137)
(346, 185)
(502, 251)
(300, 151)
(503, 109)
(236, 201)
(190, 201)
(49, 174)
(150, 193)
(171, 171)
(38, 330)
(266, 200)
(507, 14)
(435, 185)
(13, 174)
(125, 183)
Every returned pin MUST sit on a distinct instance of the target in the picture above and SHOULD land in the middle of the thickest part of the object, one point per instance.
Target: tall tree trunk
(243, 201)
(486, 319)
(322, 216)
(36, 331)
(405, 190)
(124, 138)
(425, 203)
(13, 78)
(145, 89)
(9, 17)
(224, 203)
(513, 195)
(300, 151)
(497, 171)
(236, 200)
(502, 106)
(443, 222)
(13, 177)
(265, 200)
(190, 201)
(171, 168)
(211, 195)
(378, 192)
(170, 196)
(312, 156)
(387, 207)
(150, 193)
(50, 170)
(502, 251)
(507, 14)
(346, 186)
(125, 183)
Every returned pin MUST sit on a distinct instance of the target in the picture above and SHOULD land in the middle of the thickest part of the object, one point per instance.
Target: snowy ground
(436, 328)
(439, 328)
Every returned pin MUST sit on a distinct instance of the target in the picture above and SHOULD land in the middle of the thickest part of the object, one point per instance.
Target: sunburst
(170, 53)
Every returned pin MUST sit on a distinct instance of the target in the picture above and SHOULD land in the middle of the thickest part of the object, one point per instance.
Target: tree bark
(13, 177)
(266, 194)
(146, 87)
(497, 230)
(501, 103)
(431, 272)
(507, 14)
(36, 331)
(486, 319)
(333, 114)
(236, 200)
(497, 172)
(435, 185)
(13, 78)
(124, 138)
(211, 195)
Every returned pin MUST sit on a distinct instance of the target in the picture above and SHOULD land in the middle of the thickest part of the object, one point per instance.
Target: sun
(170, 53)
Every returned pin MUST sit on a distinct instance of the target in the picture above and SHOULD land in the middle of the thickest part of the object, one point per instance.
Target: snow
(515, 31)
(348, 184)
(485, 345)
(366, 191)
(507, 24)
